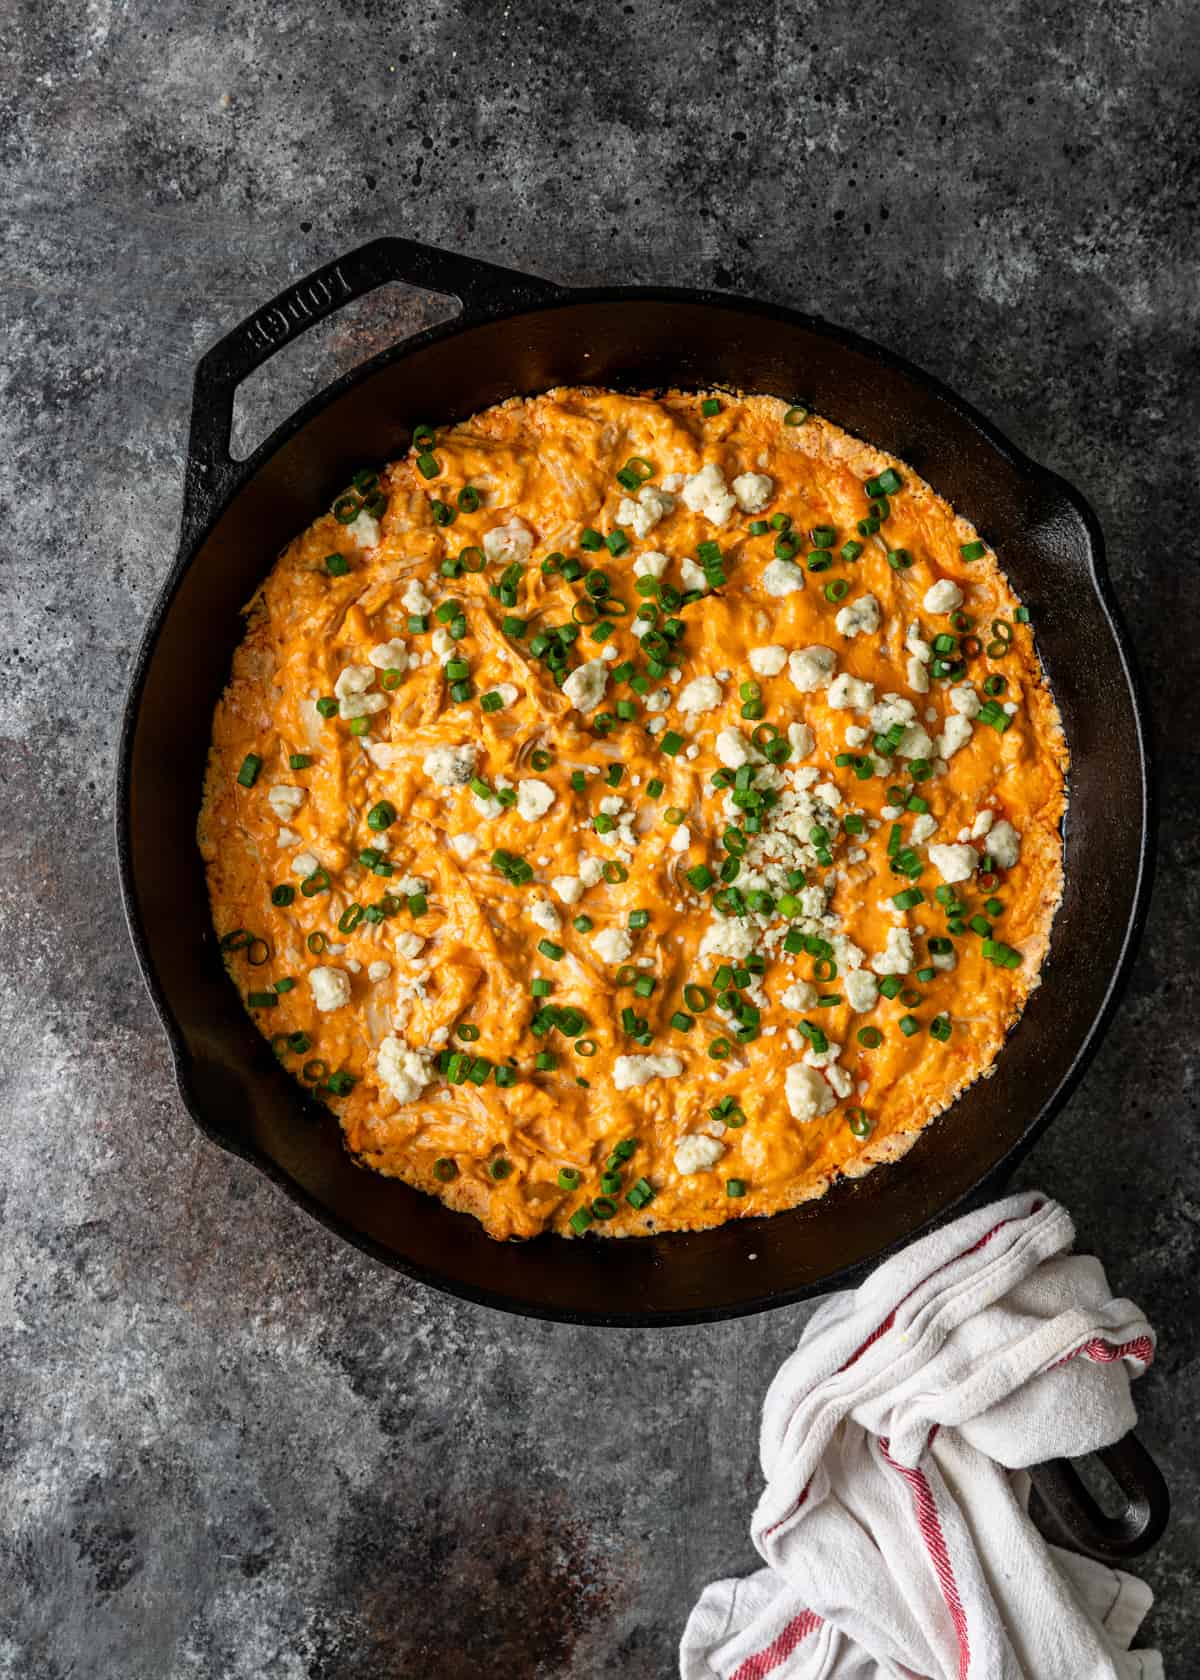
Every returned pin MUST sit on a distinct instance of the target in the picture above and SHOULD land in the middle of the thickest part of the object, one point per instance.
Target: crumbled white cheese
(658, 700)
(389, 656)
(702, 694)
(1004, 844)
(378, 971)
(534, 798)
(923, 826)
(956, 732)
(681, 839)
(568, 887)
(964, 700)
(543, 915)
(733, 749)
(361, 705)
(954, 863)
(509, 694)
(799, 996)
(364, 529)
(642, 514)
(860, 990)
(861, 617)
(504, 544)
(918, 676)
(727, 936)
(706, 492)
(782, 577)
(808, 1095)
(811, 668)
(801, 739)
(768, 661)
(405, 1072)
(450, 766)
(585, 686)
(353, 679)
(287, 837)
(856, 737)
(943, 596)
(409, 946)
(414, 599)
(846, 953)
(897, 955)
(691, 575)
(753, 491)
(351, 690)
(893, 708)
(330, 988)
(285, 801)
(651, 564)
(847, 693)
(632, 1071)
(915, 743)
(590, 871)
(305, 863)
(694, 1152)
(982, 824)
(612, 944)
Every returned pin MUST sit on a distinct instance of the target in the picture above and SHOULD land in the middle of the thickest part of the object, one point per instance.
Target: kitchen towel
(894, 1441)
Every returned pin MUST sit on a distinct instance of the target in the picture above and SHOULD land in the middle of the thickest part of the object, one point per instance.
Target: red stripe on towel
(930, 1527)
(1102, 1352)
(780, 1648)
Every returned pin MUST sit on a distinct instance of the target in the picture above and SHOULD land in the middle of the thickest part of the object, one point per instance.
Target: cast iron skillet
(518, 334)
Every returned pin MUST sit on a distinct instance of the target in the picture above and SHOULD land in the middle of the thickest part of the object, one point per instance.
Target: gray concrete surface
(229, 1446)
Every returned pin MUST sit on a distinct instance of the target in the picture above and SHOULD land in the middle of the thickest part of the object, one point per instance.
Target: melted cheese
(380, 999)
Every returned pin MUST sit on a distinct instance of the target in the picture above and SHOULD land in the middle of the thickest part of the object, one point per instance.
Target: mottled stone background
(230, 1446)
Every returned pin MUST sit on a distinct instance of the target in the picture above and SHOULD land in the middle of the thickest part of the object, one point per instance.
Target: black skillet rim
(194, 535)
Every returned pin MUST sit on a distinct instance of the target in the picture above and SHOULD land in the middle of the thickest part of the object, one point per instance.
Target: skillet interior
(1050, 546)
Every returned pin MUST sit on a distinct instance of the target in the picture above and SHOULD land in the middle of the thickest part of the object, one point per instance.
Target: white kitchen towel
(894, 1439)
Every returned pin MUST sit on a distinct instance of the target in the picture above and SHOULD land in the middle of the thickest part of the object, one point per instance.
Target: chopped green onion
(710, 406)
(248, 773)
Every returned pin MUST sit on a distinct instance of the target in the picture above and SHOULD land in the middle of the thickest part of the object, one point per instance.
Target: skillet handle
(484, 290)
(1068, 1515)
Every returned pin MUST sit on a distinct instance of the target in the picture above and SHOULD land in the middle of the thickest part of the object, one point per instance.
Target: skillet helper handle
(1068, 1515)
(483, 290)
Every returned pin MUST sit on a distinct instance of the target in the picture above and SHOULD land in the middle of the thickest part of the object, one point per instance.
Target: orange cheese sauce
(414, 911)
